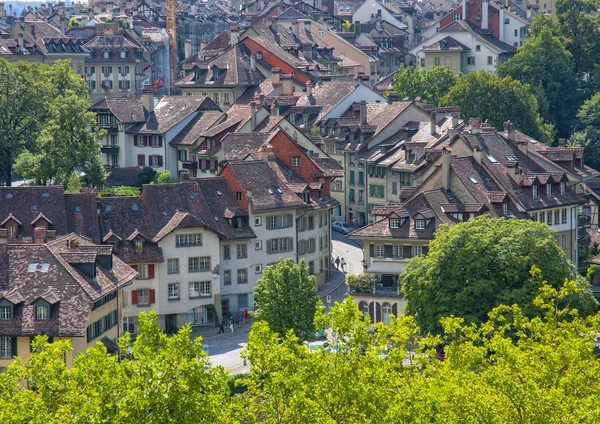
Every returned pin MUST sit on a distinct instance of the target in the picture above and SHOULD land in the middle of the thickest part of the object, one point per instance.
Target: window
(143, 271)
(280, 245)
(505, 208)
(361, 178)
(12, 231)
(417, 250)
(295, 160)
(227, 277)
(124, 85)
(436, 61)
(386, 313)
(199, 264)
(311, 223)
(562, 189)
(279, 221)
(556, 217)
(422, 61)
(258, 245)
(226, 252)
(516, 32)
(257, 221)
(155, 160)
(549, 217)
(242, 251)
(173, 291)
(199, 288)
(563, 216)
(129, 324)
(548, 190)
(361, 196)
(5, 313)
(311, 267)
(394, 187)
(106, 55)
(477, 47)
(92, 85)
(471, 60)
(139, 247)
(534, 216)
(143, 297)
(394, 223)
(258, 268)
(563, 241)
(534, 192)
(187, 240)
(398, 252)
(420, 224)
(226, 98)
(242, 276)
(490, 60)
(379, 251)
(352, 177)
(124, 55)
(456, 16)
(6, 348)
(542, 215)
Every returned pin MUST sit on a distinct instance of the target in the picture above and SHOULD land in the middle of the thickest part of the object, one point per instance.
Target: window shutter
(152, 294)
(160, 161)
(290, 218)
(372, 311)
(135, 140)
(160, 139)
(134, 297)
(13, 346)
(149, 160)
(269, 246)
(151, 271)
(407, 250)
(290, 244)
(120, 69)
(388, 250)
(377, 312)
(425, 249)
(371, 250)
(395, 309)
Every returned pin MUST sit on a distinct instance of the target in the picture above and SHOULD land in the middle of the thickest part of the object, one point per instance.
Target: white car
(340, 227)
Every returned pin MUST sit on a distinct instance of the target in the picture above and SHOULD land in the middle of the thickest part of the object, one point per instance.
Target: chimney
(184, 177)
(432, 123)
(249, 191)
(295, 29)
(478, 154)
(234, 36)
(475, 126)
(138, 28)
(363, 112)
(464, 9)
(455, 117)
(501, 22)
(253, 116)
(309, 88)
(514, 172)
(259, 99)
(484, 13)
(202, 45)
(187, 45)
(38, 235)
(529, 12)
(561, 143)
(21, 41)
(510, 131)
(253, 62)
(287, 85)
(51, 235)
(446, 156)
(275, 76)
(148, 98)
(3, 236)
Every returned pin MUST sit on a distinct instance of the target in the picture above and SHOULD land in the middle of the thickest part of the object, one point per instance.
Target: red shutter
(152, 296)
(160, 161)
(159, 141)
(134, 297)
(141, 160)
(150, 160)
(151, 271)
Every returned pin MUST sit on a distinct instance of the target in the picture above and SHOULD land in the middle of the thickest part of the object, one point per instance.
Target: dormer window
(306, 197)
(420, 224)
(13, 231)
(106, 54)
(394, 223)
(534, 192)
(6, 312)
(41, 313)
(139, 247)
(123, 54)
(505, 208)
(548, 190)
(562, 189)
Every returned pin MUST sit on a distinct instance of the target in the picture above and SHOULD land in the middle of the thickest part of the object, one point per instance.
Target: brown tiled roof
(179, 220)
(82, 215)
(197, 128)
(330, 167)
(47, 271)
(237, 116)
(128, 110)
(236, 146)
(327, 94)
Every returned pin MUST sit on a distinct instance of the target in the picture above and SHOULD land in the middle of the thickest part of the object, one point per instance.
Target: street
(224, 349)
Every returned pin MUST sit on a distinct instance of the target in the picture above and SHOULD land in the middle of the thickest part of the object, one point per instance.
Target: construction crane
(172, 33)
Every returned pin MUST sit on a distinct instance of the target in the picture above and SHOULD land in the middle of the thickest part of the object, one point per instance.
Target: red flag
(104, 87)
(147, 67)
(159, 83)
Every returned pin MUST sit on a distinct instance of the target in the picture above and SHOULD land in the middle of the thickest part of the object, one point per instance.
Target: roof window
(107, 208)
(270, 191)
(473, 180)
(32, 267)
(77, 209)
(491, 159)
(45, 195)
(512, 158)
(192, 197)
(279, 190)
(165, 213)
(219, 193)
(9, 196)
(134, 207)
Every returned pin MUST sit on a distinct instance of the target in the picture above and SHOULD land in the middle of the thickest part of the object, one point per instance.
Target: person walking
(231, 324)
(221, 329)
(337, 262)
(343, 264)
(245, 316)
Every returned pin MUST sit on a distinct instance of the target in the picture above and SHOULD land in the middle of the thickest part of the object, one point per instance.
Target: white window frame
(173, 291)
(379, 251)
(534, 192)
(257, 221)
(296, 161)
(505, 208)
(5, 313)
(242, 251)
(398, 251)
(242, 272)
(143, 297)
(258, 245)
(5, 347)
(187, 240)
(173, 269)
(420, 224)
(394, 223)
(199, 289)
(562, 189)
(142, 269)
(417, 250)
(548, 190)
(563, 216)
(258, 269)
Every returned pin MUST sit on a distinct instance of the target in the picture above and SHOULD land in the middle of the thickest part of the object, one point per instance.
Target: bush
(146, 176)
(120, 191)
(362, 281)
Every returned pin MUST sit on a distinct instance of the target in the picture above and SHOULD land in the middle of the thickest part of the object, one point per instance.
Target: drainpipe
(575, 242)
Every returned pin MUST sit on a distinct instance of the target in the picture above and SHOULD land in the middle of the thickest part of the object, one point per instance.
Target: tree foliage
(486, 96)
(430, 85)
(145, 176)
(545, 64)
(449, 281)
(286, 298)
(587, 132)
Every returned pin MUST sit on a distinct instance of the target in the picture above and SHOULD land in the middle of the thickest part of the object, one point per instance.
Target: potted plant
(359, 283)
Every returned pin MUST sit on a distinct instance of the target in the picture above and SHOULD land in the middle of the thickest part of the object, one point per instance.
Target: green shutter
(361, 178)
(351, 195)
(290, 220)
(371, 190)
(351, 177)
(269, 246)
(380, 190)
(13, 345)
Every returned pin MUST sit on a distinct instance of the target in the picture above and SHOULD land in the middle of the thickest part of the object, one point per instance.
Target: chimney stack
(296, 29)
(253, 122)
(249, 191)
(234, 36)
(275, 76)
(432, 123)
(363, 112)
(51, 235)
(455, 117)
(187, 45)
(446, 157)
(514, 172)
(21, 41)
(253, 62)
(309, 88)
(510, 131)
(38, 235)
(478, 154)
(464, 10)
(184, 177)
(148, 98)
(484, 13)
(500, 21)
(287, 85)
(475, 126)
(561, 143)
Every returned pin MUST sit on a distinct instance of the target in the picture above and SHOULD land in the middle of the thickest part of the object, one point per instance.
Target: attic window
(270, 191)
(41, 313)
(279, 190)
(139, 247)
(45, 195)
(165, 213)
(134, 207)
(106, 54)
(32, 267)
(216, 219)
(548, 190)
(107, 208)
(123, 54)
(562, 189)
(473, 180)
(534, 192)
(34, 207)
(219, 193)
(394, 223)
(420, 224)
(505, 208)
(45, 267)
(238, 195)
(491, 159)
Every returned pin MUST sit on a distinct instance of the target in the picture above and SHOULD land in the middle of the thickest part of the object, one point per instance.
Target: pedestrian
(245, 316)
(337, 262)
(231, 325)
(343, 264)
(355, 223)
(221, 329)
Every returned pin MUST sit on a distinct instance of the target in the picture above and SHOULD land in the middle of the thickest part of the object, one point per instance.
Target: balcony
(110, 150)
(189, 165)
(379, 289)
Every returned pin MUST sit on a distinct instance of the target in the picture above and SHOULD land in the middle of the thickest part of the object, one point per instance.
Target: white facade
(314, 242)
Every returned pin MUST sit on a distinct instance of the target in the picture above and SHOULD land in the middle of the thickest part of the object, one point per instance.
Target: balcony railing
(113, 149)
(378, 289)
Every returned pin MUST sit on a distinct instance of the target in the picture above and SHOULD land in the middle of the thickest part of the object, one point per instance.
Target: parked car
(340, 227)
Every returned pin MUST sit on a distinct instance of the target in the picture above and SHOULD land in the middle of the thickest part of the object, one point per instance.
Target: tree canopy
(286, 298)
(474, 266)
(430, 85)
(587, 132)
(486, 96)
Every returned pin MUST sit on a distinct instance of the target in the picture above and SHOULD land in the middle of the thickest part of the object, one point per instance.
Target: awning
(386, 267)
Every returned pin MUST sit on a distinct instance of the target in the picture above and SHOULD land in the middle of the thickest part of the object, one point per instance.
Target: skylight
(45, 195)
(44, 267)
(192, 197)
(77, 209)
(134, 207)
(216, 219)
(511, 158)
(270, 191)
(219, 193)
(279, 190)
(165, 213)
(34, 207)
(32, 267)
(9, 196)
(473, 180)
(491, 159)
(107, 208)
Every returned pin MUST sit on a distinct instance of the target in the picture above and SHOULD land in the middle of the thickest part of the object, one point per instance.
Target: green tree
(120, 191)
(162, 176)
(587, 132)
(95, 173)
(437, 82)
(448, 281)
(486, 96)
(543, 62)
(408, 83)
(145, 176)
(73, 183)
(286, 298)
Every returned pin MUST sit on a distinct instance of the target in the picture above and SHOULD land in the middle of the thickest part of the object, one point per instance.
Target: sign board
(328, 298)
